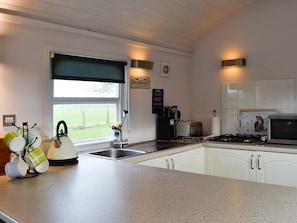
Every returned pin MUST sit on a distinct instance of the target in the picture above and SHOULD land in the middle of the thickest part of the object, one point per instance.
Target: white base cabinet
(265, 167)
(277, 168)
(230, 163)
(189, 161)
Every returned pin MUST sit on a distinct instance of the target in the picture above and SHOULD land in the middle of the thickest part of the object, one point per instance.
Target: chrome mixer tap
(117, 133)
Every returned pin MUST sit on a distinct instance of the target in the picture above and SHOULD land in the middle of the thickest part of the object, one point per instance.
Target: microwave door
(282, 130)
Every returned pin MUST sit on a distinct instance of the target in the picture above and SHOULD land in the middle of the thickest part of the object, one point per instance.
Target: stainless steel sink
(118, 153)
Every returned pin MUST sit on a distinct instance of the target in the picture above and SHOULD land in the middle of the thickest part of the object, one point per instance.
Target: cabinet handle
(259, 167)
(167, 164)
(172, 162)
(252, 162)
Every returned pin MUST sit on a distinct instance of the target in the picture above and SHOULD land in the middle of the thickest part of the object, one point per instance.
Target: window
(89, 102)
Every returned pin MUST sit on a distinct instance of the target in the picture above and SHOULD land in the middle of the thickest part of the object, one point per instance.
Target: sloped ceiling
(173, 24)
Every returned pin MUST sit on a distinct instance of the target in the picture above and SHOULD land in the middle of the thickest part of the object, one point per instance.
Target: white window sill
(92, 145)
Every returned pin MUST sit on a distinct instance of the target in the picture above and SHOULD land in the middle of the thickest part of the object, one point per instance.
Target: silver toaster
(189, 128)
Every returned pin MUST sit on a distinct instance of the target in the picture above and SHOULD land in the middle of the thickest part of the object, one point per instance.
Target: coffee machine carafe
(167, 123)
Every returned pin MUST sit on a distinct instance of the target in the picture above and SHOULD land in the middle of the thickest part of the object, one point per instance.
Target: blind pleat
(68, 67)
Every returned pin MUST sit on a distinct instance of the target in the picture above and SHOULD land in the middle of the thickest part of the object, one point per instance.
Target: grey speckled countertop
(265, 147)
(100, 190)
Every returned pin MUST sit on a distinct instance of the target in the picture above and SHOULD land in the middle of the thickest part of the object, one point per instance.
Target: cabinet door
(236, 164)
(161, 162)
(189, 161)
(277, 168)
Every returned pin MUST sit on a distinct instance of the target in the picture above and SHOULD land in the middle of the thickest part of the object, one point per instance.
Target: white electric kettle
(62, 150)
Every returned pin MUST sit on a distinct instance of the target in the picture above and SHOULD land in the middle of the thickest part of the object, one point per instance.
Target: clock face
(165, 69)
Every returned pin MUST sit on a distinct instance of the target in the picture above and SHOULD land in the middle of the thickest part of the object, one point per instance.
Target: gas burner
(238, 138)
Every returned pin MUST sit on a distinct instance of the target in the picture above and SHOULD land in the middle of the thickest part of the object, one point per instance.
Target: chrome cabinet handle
(259, 167)
(167, 164)
(172, 162)
(252, 162)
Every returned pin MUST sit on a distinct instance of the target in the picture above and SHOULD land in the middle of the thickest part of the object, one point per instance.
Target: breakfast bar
(101, 190)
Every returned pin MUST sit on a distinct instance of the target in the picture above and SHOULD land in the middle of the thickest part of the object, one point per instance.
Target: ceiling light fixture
(234, 63)
(142, 64)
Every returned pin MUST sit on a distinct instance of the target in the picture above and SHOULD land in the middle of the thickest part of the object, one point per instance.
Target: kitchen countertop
(101, 190)
(185, 145)
(153, 149)
(181, 147)
(265, 147)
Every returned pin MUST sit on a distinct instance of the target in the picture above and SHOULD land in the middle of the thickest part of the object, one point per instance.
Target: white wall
(23, 44)
(264, 33)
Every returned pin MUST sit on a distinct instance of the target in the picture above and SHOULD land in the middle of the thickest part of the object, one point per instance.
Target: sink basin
(118, 153)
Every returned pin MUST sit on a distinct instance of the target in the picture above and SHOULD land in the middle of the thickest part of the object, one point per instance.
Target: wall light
(234, 63)
(142, 64)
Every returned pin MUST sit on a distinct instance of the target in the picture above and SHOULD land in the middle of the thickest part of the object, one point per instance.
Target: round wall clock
(165, 69)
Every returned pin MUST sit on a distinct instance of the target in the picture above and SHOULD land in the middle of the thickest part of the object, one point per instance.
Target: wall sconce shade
(234, 63)
(142, 64)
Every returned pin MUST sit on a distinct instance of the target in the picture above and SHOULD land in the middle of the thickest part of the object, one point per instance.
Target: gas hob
(237, 138)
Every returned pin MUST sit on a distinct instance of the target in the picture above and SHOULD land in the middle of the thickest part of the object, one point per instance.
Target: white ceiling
(174, 24)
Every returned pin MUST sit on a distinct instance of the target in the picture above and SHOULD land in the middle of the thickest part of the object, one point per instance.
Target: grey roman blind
(68, 67)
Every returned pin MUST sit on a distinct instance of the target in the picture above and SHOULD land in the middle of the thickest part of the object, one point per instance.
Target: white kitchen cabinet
(161, 162)
(230, 163)
(189, 161)
(265, 167)
(277, 168)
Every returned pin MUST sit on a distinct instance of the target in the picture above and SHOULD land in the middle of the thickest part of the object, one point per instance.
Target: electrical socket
(8, 120)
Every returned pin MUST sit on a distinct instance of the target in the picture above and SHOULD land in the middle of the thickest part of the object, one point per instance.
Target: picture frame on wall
(157, 101)
(140, 82)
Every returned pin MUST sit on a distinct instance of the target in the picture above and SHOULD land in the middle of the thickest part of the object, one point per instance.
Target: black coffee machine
(167, 123)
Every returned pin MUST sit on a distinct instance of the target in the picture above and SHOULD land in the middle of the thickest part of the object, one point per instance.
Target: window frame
(49, 100)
